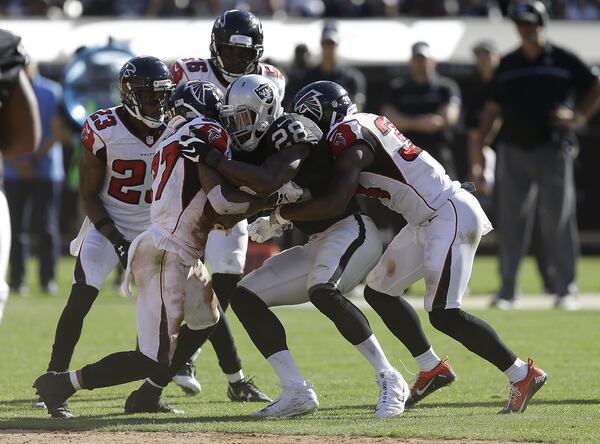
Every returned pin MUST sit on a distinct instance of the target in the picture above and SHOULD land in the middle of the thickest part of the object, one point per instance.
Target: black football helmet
(145, 84)
(323, 102)
(195, 98)
(236, 43)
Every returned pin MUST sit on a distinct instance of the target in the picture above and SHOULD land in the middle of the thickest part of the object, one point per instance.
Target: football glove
(197, 150)
(289, 193)
(264, 228)
(121, 246)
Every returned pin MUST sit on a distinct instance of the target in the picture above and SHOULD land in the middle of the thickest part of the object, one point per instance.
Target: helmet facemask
(148, 104)
(249, 110)
(237, 57)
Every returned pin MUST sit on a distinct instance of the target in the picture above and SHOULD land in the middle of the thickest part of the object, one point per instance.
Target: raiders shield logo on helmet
(265, 92)
(309, 103)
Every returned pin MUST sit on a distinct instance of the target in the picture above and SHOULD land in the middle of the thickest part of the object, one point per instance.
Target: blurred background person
(329, 68)
(533, 91)
(426, 107)
(33, 188)
(19, 131)
(296, 72)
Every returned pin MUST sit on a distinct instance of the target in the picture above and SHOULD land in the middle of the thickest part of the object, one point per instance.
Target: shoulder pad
(313, 132)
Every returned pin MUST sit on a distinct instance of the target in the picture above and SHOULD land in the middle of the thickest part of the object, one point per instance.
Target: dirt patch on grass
(31, 436)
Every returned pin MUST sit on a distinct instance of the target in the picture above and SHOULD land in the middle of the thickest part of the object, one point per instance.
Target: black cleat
(186, 380)
(54, 389)
(144, 402)
(246, 391)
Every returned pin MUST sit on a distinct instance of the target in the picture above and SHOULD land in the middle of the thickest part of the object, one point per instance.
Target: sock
(195, 356)
(70, 324)
(285, 367)
(517, 371)
(371, 350)
(235, 377)
(428, 360)
(75, 380)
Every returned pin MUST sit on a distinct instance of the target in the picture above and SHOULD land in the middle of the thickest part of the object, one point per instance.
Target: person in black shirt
(329, 69)
(19, 130)
(533, 91)
(426, 107)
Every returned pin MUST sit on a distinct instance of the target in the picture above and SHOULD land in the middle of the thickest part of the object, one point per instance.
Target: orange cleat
(428, 382)
(522, 391)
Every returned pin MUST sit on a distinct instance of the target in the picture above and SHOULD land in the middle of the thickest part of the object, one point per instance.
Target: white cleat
(294, 400)
(186, 380)
(393, 393)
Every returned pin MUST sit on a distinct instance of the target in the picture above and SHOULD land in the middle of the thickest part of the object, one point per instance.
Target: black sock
(221, 338)
(349, 320)
(188, 342)
(263, 327)
(224, 345)
(475, 334)
(119, 368)
(401, 319)
(70, 324)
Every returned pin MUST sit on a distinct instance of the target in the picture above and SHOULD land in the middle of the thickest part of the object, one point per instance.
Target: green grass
(564, 344)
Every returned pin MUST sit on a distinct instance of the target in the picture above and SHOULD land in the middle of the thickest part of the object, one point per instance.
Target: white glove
(264, 228)
(289, 193)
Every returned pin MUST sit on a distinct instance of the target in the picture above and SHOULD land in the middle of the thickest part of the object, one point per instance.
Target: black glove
(121, 246)
(198, 150)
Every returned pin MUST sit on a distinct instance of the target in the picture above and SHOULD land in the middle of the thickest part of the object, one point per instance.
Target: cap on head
(530, 11)
(421, 49)
(485, 45)
(330, 33)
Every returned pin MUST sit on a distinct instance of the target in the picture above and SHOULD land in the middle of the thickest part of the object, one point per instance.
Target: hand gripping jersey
(315, 171)
(402, 176)
(201, 69)
(179, 222)
(126, 193)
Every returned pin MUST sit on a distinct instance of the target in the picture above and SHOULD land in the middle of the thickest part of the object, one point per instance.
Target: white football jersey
(178, 222)
(127, 190)
(201, 69)
(402, 176)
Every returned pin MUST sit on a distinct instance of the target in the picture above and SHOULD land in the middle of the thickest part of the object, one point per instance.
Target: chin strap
(148, 122)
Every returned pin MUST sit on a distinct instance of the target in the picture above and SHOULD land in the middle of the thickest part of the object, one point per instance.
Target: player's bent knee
(446, 321)
(201, 317)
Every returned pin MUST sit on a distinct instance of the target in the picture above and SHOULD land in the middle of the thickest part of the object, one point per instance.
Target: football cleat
(140, 401)
(393, 393)
(294, 400)
(428, 382)
(246, 391)
(55, 388)
(186, 380)
(38, 403)
(521, 392)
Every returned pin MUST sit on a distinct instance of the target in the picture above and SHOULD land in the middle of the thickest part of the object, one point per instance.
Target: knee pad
(447, 321)
(199, 315)
(374, 298)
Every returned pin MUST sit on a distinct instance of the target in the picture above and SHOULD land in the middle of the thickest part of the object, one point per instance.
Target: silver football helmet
(251, 105)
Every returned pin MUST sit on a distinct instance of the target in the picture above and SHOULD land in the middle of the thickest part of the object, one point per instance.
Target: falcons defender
(236, 48)
(173, 285)
(445, 225)
(115, 185)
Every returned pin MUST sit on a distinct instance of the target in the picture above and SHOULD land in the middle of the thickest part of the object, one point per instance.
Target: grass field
(565, 344)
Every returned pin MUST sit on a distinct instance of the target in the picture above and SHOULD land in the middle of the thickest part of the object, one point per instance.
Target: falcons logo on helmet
(128, 69)
(199, 92)
(310, 104)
